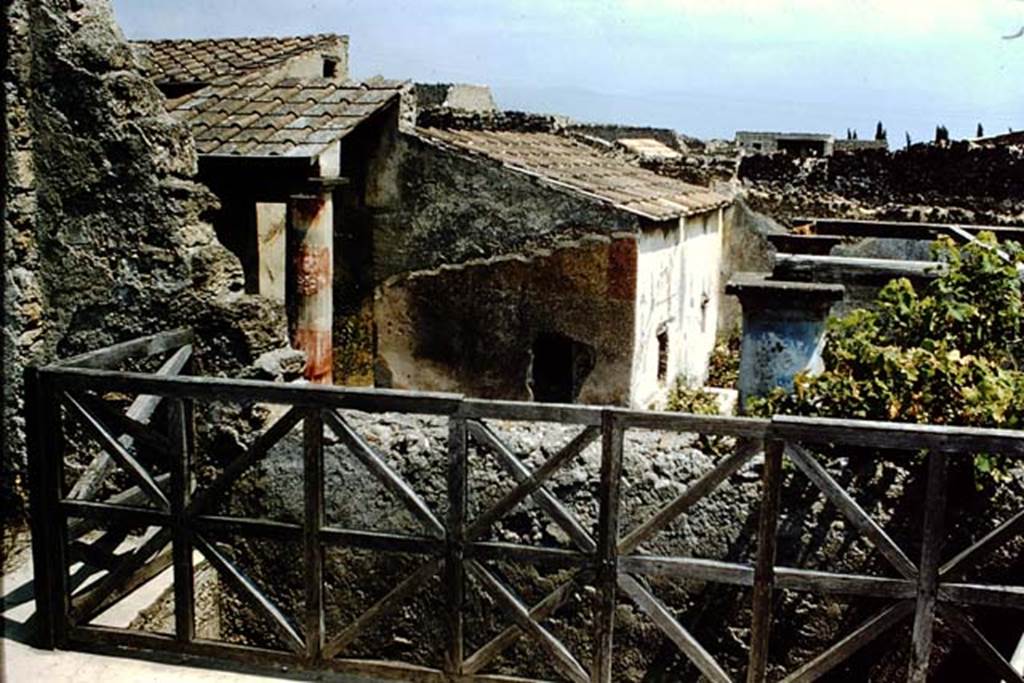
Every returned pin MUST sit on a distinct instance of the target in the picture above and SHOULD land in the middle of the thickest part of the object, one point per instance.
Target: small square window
(330, 68)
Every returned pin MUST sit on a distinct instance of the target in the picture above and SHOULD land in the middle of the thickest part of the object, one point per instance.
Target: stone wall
(104, 234)
(745, 249)
(463, 96)
(523, 122)
(960, 182)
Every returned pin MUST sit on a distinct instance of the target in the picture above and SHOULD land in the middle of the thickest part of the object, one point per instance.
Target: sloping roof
(287, 117)
(204, 60)
(570, 164)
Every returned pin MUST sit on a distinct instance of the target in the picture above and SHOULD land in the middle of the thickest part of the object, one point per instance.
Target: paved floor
(22, 662)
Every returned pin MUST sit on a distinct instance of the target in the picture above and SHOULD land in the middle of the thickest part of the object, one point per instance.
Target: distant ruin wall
(461, 96)
(922, 173)
(103, 232)
(524, 122)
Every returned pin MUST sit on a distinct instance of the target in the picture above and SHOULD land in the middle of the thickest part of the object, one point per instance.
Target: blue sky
(704, 67)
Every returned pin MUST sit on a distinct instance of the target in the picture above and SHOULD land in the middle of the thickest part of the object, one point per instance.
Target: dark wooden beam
(903, 229)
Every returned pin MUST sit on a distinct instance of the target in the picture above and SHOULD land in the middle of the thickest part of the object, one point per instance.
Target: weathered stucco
(472, 328)
(678, 294)
(270, 227)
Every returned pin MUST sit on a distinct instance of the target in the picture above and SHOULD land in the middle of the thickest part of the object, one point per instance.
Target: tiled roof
(573, 165)
(288, 117)
(202, 61)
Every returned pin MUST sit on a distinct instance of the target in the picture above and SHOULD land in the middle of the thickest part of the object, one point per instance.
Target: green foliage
(948, 355)
(683, 399)
(724, 364)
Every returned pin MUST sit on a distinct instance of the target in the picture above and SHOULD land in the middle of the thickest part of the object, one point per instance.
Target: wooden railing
(181, 520)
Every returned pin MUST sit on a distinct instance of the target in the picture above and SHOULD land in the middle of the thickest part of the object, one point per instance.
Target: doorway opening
(560, 366)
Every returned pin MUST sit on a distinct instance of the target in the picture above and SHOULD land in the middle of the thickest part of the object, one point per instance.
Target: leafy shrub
(683, 399)
(724, 364)
(948, 355)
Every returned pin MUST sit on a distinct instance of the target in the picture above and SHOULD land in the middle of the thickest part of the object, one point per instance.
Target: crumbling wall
(472, 328)
(464, 96)
(524, 122)
(104, 234)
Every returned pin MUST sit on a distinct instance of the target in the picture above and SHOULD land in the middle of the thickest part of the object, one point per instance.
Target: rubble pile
(704, 167)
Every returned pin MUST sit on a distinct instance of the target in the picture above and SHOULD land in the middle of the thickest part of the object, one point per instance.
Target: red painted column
(309, 281)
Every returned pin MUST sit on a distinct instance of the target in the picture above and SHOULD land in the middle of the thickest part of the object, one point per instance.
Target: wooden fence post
(181, 428)
(313, 520)
(454, 568)
(931, 552)
(764, 571)
(612, 437)
(44, 434)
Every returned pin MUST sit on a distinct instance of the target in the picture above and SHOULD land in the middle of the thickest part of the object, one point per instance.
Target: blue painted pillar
(783, 330)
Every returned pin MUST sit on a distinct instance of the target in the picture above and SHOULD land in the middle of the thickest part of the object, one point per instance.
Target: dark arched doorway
(559, 368)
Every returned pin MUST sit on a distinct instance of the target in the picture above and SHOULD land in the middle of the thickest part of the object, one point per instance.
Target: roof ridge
(209, 39)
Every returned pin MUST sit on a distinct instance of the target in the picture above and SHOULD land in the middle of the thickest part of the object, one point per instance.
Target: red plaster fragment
(319, 354)
(622, 270)
(312, 269)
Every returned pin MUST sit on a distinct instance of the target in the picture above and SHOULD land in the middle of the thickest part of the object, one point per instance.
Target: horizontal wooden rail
(249, 391)
(112, 356)
(906, 230)
(908, 437)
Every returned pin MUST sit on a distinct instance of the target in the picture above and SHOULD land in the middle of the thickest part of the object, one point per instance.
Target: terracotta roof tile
(573, 165)
(205, 60)
(287, 117)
